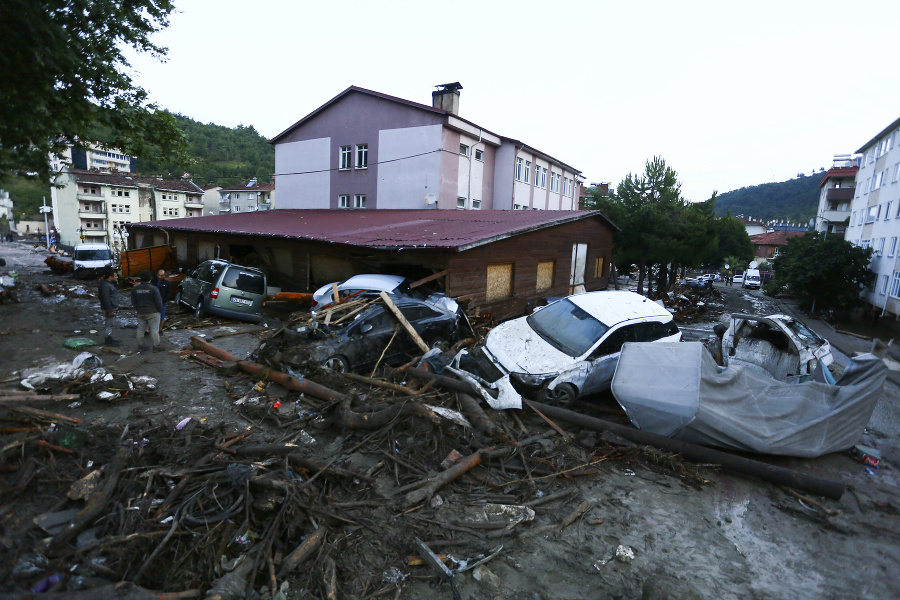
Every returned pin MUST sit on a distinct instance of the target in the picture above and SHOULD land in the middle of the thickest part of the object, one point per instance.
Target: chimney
(446, 97)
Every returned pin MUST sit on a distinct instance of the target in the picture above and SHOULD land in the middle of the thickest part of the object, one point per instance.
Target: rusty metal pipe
(289, 381)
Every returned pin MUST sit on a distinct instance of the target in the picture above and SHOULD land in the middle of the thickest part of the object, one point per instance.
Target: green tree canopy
(827, 270)
(733, 241)
(63, 74)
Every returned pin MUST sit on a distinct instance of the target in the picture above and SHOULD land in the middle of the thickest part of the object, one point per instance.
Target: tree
(733, 242)
(824, 269)
(63, 75)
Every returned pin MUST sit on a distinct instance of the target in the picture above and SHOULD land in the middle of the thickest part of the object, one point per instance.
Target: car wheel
(178, 298)
(562, 395)
(336, 363)
(200, 309)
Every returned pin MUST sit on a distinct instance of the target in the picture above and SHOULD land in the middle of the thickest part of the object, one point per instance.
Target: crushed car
(358, 344)
(779, 345)
(369, 284)
(566, 349)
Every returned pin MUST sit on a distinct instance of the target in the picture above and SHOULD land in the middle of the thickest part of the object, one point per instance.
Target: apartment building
(92, 157)
(875, 216)
(367, 150)
(838, 187)
(94, 207)
(249, 196)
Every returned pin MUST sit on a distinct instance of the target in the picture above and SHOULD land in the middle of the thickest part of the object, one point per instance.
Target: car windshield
(239, 279)
(803, 332)
(98, 254)
(404, 290)
(567, 327)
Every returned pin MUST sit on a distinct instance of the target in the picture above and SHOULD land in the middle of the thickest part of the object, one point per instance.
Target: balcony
(94, 233)
(82, 196)
(193, 203)
(835, 216)
(840, 194)
(263, 206)
(96, 210)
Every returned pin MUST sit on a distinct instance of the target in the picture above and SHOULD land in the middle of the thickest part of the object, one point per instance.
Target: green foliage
(734, 246)
(63, 74)
(824, 269)
(735, 263)
(795, 200)
(221, 155)
(27, 196)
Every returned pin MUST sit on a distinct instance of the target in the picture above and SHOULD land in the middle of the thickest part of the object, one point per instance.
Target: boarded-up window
(545, 275)
(499, 281)
(598, 267)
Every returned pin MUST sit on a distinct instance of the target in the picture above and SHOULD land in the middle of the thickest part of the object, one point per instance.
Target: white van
(89, 259)
(752, 279)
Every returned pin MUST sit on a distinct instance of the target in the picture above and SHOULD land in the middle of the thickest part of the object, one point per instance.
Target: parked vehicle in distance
(357, 344)
(373, 283)
(89, 259)
(224, 289)
(569, 348)
(738, 279)
(777, 344)
(751, 279)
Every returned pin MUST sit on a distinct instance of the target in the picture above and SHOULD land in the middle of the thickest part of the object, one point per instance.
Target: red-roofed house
(767, 245)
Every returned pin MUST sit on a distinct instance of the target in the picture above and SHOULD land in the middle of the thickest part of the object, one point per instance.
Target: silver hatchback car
(224, 289)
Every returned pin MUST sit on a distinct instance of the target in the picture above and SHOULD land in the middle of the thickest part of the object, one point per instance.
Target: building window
(540, 177)
(887, 211)
(479, 155)
(527, 171)
(879, 246)
(476, 204)
(516, 207)
(872, 214)
(895, 285)
(460, 202)
(554, 182)
(884, 285)
(359, 201)
(892, 246)
(545, 271)
(345, 154)
(499, 282)
(237, 209)
(598, 267)
(463, 149)
(362, 156)
(344, 201)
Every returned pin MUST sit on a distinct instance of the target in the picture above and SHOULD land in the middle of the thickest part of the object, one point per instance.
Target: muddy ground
(682, 530)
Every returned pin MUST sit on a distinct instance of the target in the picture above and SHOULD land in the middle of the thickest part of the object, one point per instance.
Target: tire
(336, 363)
(178, 299)
(562, 395)
(200, 309)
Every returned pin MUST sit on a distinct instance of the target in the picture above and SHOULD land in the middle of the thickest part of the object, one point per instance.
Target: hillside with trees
(795, 200)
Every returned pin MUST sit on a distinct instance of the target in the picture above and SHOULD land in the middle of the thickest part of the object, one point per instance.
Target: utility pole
(45, 209)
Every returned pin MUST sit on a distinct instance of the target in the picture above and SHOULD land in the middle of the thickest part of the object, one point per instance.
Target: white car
(392, 284)
(739, 279)
(569, 348)
(779, 345)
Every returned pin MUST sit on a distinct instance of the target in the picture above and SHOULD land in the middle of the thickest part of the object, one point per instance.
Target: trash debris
(867, 455)
(78, 342)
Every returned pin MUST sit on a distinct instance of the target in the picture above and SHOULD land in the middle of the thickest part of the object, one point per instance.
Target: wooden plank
(425, 280)
(409, 328)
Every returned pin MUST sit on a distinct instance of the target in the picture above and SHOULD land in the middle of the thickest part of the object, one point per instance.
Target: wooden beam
(425, 280)
(409, 328)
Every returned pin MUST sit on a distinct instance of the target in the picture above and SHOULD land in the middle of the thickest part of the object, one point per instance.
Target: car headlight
(529, 379)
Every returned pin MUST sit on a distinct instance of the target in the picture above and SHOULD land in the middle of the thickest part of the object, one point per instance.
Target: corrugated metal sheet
(448, 229)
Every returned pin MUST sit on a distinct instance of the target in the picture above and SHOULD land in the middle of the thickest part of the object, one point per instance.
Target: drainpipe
(471, 154)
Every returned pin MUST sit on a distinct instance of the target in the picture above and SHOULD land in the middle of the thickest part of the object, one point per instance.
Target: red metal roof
(241, 187)
(126, 180)
(838, 172)
(446, 229)
(774, 238)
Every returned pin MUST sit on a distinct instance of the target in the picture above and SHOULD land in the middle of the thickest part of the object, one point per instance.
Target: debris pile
(689, 302)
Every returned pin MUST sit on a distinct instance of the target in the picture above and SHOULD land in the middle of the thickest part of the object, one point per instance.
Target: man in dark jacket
(108, 290)
(165, 292)
(148, 303)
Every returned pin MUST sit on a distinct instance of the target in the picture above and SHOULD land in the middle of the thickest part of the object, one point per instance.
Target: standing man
(148, 303)
(108, 290)
(165, 292)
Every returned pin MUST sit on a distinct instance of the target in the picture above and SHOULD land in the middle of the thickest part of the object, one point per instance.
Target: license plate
(243, 301)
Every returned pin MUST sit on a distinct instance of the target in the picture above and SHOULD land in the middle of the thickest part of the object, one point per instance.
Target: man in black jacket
(108, 290)
(148, 303)
(165, 292)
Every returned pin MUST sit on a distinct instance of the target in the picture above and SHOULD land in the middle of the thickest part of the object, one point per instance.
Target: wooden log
(442, 380)
(95, 506)
(301, 553)
(114, 591)
(476, 414)
(402, 320)
(31, 396)
(36, 412)
(354, 420)
(379, 383)
(425, 280)
(428, 487)
(300, 297)
(770, 473)
(289, 381)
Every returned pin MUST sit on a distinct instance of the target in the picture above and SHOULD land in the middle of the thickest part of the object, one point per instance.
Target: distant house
(94, 207)
(92, 157)
(245, 197)
(498, 261)
(367, 150)
(767, 245)
(838, 187)
(752, 226)
(211, 199)
(875, 216)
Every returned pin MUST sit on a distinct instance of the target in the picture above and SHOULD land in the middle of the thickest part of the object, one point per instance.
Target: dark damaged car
(358, 344)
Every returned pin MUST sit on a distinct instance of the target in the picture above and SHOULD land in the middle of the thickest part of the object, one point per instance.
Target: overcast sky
(729, 94)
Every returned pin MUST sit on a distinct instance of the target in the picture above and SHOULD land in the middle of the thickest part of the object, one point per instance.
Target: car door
(431, 325)
(603, 360)
(368, 338)
(190, 287)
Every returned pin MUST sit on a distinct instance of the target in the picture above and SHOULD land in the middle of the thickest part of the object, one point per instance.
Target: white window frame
(516, 207)
(879, 246)
(892, 247)
(887, 210)
(476, 204)
(463, 150)
(543, 177)
(884, 285)
(479, 155)
(345, 158)
(343, 200)
(895, 285)
(359, 201)
(527, 171)
(520, 163)
(362, 158)
(460, 202)
(896, 172)
(870, 214)
(554, 182)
